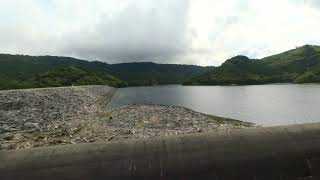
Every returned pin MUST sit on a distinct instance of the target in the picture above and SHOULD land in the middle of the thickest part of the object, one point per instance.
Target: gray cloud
(312, 3)
(202, 32)
(151, 32)
(316, 3)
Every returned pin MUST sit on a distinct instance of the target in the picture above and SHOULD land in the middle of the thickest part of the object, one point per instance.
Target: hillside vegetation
(69, 76)
(147, 73)
(21, 71)
(300, 65)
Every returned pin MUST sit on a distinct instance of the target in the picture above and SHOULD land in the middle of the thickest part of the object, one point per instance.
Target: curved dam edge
(282, 152)
(79, 114)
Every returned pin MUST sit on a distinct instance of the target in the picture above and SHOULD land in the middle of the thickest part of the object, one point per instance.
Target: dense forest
(71, 76)
(21, 71)
(300, 65)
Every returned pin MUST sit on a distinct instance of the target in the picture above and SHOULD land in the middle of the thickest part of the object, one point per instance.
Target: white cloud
(261, 28)
(204, 32)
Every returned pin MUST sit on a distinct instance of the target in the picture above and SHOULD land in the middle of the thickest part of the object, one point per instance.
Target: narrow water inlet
(282, 152)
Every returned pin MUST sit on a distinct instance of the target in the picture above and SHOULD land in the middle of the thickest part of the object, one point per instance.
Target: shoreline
(75, 115)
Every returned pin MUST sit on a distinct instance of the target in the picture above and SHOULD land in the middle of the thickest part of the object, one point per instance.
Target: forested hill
(21, 71)
(300, 65)
(147, 73)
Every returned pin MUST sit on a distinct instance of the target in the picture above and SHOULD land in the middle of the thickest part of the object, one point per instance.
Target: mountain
(21, 71)
(69, 76)
(300, 65)
(147, 73)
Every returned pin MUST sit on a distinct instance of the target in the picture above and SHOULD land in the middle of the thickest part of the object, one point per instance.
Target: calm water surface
(266, 105)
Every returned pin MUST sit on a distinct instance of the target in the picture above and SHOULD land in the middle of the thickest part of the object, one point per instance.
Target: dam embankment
(74, 115)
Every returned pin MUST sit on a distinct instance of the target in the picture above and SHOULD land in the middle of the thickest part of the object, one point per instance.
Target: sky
(200, 32)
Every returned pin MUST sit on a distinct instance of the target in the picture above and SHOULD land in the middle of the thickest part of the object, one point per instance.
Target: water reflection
(262, 104)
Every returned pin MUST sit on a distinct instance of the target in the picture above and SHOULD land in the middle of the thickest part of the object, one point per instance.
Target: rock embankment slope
(70, 115)
(25, 113)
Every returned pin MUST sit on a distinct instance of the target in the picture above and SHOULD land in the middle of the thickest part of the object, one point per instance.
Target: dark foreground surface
(283, 152)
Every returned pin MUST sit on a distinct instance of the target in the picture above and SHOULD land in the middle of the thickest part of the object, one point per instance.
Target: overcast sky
(202, 32)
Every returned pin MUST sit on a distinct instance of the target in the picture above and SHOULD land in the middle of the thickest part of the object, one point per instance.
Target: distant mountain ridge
(148, 73)
(22, 71)
(300, 65)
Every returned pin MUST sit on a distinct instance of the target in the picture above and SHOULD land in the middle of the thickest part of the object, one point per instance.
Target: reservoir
(266, 105)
